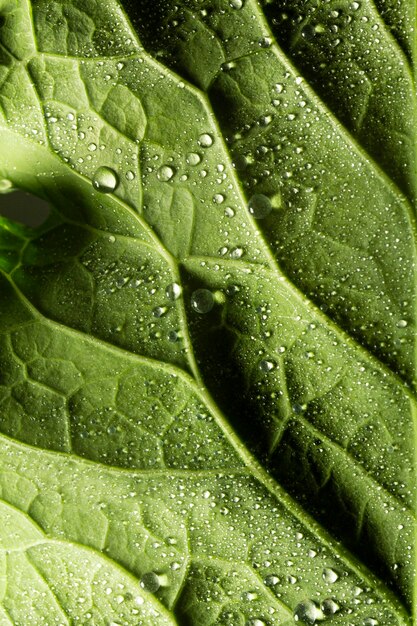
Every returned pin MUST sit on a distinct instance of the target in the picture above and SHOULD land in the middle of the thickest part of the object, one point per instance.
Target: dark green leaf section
(339, 228)
(105, 355)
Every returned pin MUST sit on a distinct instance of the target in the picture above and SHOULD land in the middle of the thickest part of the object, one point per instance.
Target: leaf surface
(207, 355)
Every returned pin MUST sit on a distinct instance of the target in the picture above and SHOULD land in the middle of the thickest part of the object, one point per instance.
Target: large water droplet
(329, 606)
(165, 173)
(236, 4)
(173, 291)
(150, 582)
(307, 612)
(6, 185)
(193, 158)
(202, 301)
(105, 180)
(259, 206)
(329, 575)
(205, 140)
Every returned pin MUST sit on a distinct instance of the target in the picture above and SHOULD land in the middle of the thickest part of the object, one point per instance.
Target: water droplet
(266, 366)
(265, 42)
(205, 140)
(105, 180)
(271, 580)
(229, 212)
(150, 582)
(202, 301)
(236, 253)
(236, 4)
(193, 158)
(279, 87)
(370, 621)
(329, 606)
(173, 291)
(92, 147)
(165, 173)
(255, 621)
(120, 65)
(159, 311)
(329, 575)
(308, 32)
(259, 206)
(130, 175)
(6, 185)
(218, 198)
(307, 612)
(402, 324)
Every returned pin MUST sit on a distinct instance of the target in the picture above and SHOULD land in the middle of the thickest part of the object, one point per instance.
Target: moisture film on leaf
(207, 350)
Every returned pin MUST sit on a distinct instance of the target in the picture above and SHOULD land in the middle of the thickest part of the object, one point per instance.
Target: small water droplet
(401, 323)
(329, 575)
(279, 87)
(271, 580)
(105, 180)
(205, 140)
(259, 206)
(92, 147)
(255, 621)
(202, 301)
(193, 158)
(236, 4)
(165, 173)
(218, 198)
(173, 291)
(229, 212)
(370, 621)
(130, 175)
(120, 65)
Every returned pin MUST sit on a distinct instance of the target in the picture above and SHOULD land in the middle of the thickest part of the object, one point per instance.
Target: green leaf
(207, 351)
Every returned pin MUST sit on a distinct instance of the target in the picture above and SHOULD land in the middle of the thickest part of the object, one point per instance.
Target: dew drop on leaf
(193, 158)
(202, 301)
(205, 140)
(105, 180)
(265, 42)
(329, 575)
(6, 185)
(307, 612)
(266, 366)
(173, 291)
(259, 206)
(150, 582)
(165, 173)
(130, 175)
(236, 4)
(329, 606)
(159, 311)
(401, 323)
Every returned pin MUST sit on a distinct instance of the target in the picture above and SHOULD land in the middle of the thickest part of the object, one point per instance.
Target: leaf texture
(207, 359)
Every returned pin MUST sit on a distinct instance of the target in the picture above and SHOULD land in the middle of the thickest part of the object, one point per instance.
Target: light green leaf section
(146, 440)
